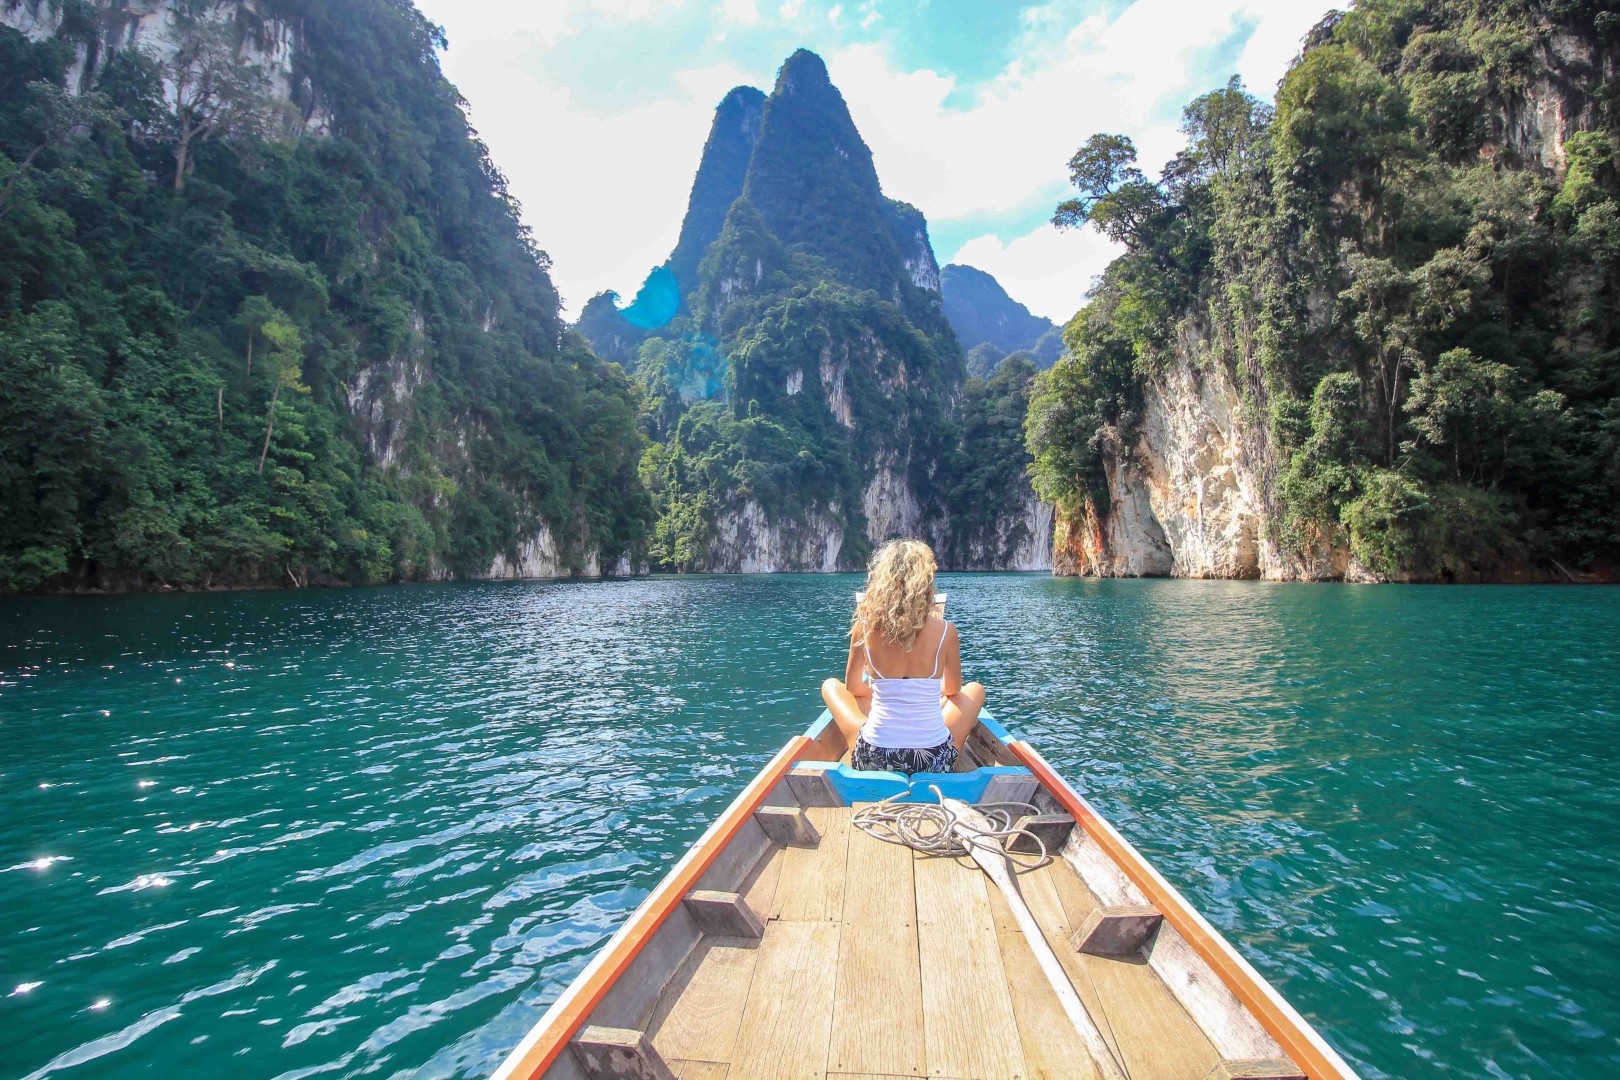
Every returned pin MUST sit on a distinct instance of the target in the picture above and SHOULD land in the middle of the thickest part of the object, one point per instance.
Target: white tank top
(906, 713)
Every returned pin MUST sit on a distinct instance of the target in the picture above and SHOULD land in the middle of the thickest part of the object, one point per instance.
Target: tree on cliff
(1115, 196)
(284, 363)
(218, 92)
(51, 115)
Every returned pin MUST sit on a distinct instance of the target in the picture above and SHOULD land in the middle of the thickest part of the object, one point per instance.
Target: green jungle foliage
(192, 293)
(984, 473)
(1424, 319)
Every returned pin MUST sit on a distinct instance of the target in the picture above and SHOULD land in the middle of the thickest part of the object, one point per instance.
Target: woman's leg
(848, 711)
(962, 712)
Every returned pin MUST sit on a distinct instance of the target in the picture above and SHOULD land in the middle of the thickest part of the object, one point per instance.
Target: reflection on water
(378, 830)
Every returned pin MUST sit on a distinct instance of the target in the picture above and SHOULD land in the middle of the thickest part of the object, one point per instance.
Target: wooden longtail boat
(787, 943)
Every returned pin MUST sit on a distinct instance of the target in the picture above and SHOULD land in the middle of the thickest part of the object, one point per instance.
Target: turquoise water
(375, 831)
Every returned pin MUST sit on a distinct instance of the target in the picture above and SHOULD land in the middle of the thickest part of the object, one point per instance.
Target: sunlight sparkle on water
(42, 863)
(26, 988)
(145, 881)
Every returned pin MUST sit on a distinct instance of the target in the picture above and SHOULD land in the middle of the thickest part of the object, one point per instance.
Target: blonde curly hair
(899, 593)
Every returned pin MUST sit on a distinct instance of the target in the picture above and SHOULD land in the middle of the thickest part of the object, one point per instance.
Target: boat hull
(773, 884)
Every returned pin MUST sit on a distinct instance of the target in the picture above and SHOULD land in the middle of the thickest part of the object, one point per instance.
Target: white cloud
(1281, 28)
(741, 11)
(1118, 76)
(1047, 271)
(604, 194)
(544, 22)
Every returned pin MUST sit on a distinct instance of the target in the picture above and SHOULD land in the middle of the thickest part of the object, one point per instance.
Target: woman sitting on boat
(914, 714)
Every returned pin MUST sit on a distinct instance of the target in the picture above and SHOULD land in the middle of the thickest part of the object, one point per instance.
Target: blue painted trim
(992, 725)
(814, 730)
(854, 786)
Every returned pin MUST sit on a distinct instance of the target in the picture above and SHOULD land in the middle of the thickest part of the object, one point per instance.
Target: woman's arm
(854, 668)
(951, 663)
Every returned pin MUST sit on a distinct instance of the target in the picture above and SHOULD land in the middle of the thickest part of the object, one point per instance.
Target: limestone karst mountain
(1370, 331)
(806, 394)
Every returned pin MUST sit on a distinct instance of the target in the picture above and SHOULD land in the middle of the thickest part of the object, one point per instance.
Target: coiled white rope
(933, 828)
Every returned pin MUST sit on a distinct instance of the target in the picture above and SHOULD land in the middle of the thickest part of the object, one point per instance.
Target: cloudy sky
(597, 110)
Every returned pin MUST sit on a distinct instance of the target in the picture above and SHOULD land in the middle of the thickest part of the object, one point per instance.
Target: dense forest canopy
(1406, 266)
(258, 336)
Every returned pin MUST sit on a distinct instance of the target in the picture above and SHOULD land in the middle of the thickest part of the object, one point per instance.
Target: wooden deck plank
(1040, 892)
(699, 1013)
(1077, 900)
(967, 1009)
(811, 885)
(699, 1070)
(1155, 1036)
(1053, 1050)
(878, 1010)
(787, 1022)
(1159, 1040)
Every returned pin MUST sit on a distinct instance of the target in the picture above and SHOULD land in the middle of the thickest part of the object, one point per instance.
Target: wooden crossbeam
(1255, 1069)
(1116, 931)
(1013, 788)
(606, 1053)
(787, 825)
(1053, 829)
(812, 788)
(724, 914)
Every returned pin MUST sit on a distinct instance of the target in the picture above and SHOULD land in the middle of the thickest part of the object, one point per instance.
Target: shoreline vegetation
(269, 315)
(1526, 577)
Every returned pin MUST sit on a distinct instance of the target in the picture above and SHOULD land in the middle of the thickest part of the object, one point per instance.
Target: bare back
(918, 662)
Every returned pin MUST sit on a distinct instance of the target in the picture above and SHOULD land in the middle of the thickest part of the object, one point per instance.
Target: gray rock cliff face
(816, 302)
(150, 26)
(1557, 102)
(1190, 496)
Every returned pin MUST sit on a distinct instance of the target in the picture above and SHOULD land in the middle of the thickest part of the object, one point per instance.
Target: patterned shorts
(908, 760)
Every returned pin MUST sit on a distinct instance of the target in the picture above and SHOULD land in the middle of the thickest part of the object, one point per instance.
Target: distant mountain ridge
(982, 314)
